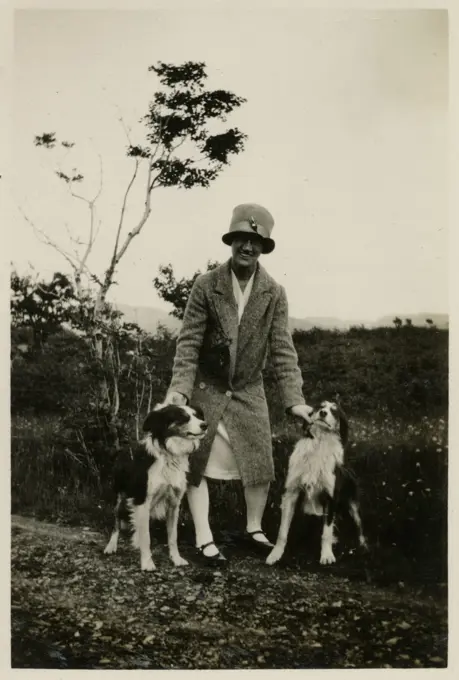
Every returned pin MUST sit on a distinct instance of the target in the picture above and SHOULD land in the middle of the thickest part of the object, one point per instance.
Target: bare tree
(179, 150)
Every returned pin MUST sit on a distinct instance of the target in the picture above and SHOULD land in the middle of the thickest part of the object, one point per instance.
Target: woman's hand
(175, 398)
(302, 411)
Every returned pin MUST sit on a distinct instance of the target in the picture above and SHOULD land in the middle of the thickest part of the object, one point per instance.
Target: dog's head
(176, 429)
(330, 417)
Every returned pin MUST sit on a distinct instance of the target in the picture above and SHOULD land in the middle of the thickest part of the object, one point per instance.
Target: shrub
(393, 385)
(47, 478)
(377, 371)
(404, 493)
(48, 380)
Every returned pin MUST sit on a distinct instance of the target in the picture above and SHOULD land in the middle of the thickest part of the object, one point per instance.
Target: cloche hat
(252, 219)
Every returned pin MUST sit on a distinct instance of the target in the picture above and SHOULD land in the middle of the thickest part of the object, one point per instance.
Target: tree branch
(108, 279)
(92, 208)
(76, 264)
(152, 157)
(101, 180)
(91, 235)
(136, 231)
(123, 124)
(44, 238)
(123, 209)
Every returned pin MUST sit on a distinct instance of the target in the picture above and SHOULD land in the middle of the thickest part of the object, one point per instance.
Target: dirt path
(72, 607)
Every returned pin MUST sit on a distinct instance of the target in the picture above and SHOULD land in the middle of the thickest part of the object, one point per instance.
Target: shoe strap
(258, 531)
(206, 545)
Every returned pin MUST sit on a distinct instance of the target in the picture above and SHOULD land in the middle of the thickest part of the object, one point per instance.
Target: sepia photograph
(229, 337)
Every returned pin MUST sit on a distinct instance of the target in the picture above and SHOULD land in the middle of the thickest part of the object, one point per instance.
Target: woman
(235, 315)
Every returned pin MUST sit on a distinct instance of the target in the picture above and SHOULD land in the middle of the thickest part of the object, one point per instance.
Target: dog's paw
(148, 565)
(179, 561)
(327, 558)
(111, 547)
(274, 556)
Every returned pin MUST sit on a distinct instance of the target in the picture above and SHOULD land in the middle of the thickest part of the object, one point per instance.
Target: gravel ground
(73, 607)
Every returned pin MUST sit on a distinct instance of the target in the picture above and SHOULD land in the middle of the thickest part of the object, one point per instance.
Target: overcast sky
(346, 118)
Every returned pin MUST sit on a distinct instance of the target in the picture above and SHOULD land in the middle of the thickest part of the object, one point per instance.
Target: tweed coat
(218, 365)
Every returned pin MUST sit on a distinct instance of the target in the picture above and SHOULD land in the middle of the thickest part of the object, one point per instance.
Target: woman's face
(246, 250)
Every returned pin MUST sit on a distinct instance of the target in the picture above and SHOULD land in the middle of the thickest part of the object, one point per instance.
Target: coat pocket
(214, 356)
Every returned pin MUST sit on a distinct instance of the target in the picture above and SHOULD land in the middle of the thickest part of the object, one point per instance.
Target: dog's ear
(343, 426)
(153, 423)
(159, 421)
(198, 411)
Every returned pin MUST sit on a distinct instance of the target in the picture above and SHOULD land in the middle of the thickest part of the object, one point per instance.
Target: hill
(148, 318)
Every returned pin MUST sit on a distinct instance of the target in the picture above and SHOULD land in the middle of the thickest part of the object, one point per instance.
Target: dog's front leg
(328, 538)
(289, 500)
(141, 537)
(112, 545)
(172, 525)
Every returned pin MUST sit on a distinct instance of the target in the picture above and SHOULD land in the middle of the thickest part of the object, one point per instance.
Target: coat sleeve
(189, 342)
(284, 357)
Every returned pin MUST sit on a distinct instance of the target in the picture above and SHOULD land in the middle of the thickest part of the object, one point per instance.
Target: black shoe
(217, 561)
(262, 546)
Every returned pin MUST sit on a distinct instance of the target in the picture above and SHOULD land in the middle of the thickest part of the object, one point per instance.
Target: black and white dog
(316, 468)
(152, 483)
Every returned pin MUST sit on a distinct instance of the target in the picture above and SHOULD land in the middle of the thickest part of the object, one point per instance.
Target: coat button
(229, 393)
(202, 385)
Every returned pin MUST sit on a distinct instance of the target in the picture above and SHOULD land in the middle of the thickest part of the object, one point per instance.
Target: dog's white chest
(166, 487)
(165, 497)
(312, 469)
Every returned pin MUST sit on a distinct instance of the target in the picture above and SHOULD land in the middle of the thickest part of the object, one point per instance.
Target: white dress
(222, 462)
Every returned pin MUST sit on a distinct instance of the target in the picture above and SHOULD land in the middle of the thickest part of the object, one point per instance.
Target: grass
(47, 479)
(402, 469)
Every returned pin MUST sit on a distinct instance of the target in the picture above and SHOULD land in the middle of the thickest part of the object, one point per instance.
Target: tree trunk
(104, 356)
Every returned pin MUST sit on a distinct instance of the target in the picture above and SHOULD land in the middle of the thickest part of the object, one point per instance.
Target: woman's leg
(255, 499)
(198, 502)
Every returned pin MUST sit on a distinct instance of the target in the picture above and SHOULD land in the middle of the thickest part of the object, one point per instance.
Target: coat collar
(224, 283)
(258, 301)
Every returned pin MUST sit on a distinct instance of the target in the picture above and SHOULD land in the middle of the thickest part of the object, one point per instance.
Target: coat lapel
(256, 306)
(224, 301)
(225, 308)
